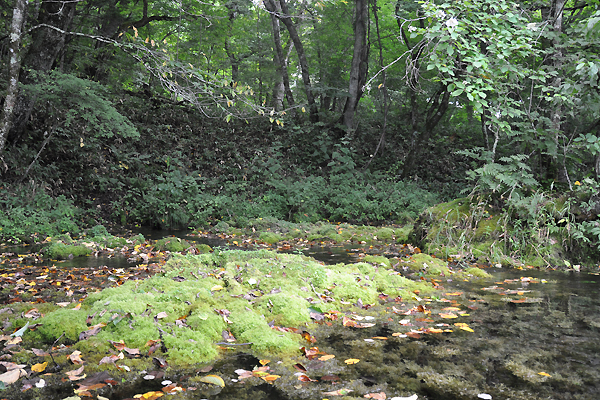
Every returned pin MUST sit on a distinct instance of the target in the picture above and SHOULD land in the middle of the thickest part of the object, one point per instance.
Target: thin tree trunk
(360, 56)
(386, 106)
(285, 17)
(13, 71)
(283, 81)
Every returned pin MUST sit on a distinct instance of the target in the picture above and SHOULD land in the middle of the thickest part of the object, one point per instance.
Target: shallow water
(535, 336)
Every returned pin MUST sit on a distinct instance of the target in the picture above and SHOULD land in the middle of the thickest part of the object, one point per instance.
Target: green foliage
(78, 107)
(29, 214)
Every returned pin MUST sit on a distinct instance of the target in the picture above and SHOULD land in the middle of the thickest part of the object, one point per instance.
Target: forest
(299, 199)
(475, 122)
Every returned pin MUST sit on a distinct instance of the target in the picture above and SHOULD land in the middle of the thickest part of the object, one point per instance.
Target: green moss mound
(172, 244)
(62, 251)
(244, 293)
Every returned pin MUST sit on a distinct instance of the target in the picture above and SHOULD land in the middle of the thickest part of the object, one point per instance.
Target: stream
(531, 335)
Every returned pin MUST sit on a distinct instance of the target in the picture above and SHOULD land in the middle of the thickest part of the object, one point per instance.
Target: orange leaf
(326, 357)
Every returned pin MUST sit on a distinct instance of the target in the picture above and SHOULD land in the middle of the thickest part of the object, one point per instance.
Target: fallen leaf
(413, 397)
(448, 315)
(75, 357)
(339, 392)
(351, 361)
(326, 357)
(264, 362)
(75, 371)
(484, 396)
(214, 379)
(12, 376)
(544, 374)
(39, 367)
(377, 396)
(161, 315)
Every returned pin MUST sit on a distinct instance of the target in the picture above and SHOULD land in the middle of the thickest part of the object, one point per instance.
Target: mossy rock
(477, 272)
(212, 291)
(172, 244)
(378, 260)
(270, 237)
(221, 227)
(428, 265)
(61, 251)
(385, 234)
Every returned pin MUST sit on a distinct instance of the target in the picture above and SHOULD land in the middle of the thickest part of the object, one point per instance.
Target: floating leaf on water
(214, 379)
(448, 315)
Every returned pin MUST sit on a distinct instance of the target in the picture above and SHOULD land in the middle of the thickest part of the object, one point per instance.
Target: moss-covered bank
(538, 231)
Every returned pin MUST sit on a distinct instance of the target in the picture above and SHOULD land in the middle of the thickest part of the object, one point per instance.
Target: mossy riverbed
(406, 325)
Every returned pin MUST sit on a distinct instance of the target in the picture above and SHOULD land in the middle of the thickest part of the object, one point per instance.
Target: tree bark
(359, 65)
(14, 67)
(282, 85)
(285, 17)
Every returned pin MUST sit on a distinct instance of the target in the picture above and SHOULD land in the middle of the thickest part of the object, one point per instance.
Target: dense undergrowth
(186, 172)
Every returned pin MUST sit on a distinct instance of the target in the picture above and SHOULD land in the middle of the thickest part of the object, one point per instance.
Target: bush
(28, 214)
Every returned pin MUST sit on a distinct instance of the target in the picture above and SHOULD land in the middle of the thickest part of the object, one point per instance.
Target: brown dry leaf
(75, 371)
(33, 313)
(109, 359)
(414, 335)
(12, 376)
(15, 340)
(120, 345)
(39, 367)
(75, 357)
(40, 353)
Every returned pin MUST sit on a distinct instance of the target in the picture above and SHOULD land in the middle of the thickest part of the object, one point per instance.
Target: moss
(427, 264)
(478, 272)
(285, 309)
(172, 244)
(270, 237)
(68, 321)
(385, 234)
(489, 227)
(61, 251)
(378, 260)
(221, 227)
(203, 248)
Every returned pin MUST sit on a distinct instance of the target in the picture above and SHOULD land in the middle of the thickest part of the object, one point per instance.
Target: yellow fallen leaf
(39, 367)
(351, 361)
(448, 315)
(544, 374)
(326, 357)
(214, 379)
(216, 288)
(264, 362)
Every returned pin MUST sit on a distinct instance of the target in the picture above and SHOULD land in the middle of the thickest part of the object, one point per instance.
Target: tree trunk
(285, 17)
(359, 66)
(438, 105)
(46, 45)
(14, 67)
(282, 85)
